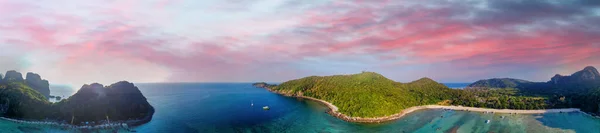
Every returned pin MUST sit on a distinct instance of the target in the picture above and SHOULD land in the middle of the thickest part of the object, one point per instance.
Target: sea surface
(227, 107)
(456, 85)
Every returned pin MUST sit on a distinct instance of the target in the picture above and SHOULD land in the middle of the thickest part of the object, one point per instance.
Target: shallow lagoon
(226, 107)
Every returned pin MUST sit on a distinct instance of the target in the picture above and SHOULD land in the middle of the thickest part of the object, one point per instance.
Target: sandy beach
(334, 111)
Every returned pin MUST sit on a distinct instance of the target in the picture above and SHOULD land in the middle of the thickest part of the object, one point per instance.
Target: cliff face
(32, 80)
(37, 83)
(583, 79)
(13, 75)
(588, 74)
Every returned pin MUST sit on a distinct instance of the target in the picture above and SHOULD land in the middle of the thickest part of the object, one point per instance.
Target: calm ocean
(226, 107)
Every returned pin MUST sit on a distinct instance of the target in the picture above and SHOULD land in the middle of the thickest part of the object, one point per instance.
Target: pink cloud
(416, 35)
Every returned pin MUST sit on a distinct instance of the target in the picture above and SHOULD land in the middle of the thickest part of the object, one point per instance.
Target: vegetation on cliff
(17, 100)
(33, 81)
(36, 82)
(95, 102)
(121, 101)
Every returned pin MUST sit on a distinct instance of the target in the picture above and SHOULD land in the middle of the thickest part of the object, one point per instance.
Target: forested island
(371, 95)
(578, 90)
(94, 104)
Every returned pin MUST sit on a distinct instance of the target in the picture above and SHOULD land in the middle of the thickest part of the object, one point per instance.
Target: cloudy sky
(84, 41)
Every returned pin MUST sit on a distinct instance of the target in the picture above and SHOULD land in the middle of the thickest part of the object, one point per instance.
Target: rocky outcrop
(37, 83)
(588, 74)
(13, 75)
(586, 78)
(556, 79)
(121, 101)
(263, 85)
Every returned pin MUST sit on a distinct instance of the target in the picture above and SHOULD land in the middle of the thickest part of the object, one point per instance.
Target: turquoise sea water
(457, 85)
(226, 107)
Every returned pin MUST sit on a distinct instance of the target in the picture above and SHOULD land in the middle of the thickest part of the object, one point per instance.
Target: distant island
(94, 104)
(371, 97)
(578, 90)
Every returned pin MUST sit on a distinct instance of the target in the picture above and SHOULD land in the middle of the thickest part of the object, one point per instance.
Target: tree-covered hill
(366, 94)
(95, 102)
(578, 90)
(578, 82)
(500, 83)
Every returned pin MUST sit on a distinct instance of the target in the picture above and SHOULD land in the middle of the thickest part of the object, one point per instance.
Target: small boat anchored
(252, 103)
(487, 121)
(266, 108)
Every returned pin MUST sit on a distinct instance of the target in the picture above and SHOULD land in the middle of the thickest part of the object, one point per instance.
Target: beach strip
(333, 110)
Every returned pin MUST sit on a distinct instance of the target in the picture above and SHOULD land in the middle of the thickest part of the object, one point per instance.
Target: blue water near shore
(457, 85)
(226, 107)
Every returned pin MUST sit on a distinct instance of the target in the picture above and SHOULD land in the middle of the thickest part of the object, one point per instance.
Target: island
(578, 90)
(371, 98)
(94, 105)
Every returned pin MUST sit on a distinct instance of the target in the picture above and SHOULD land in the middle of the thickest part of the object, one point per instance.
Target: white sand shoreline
(334, 111)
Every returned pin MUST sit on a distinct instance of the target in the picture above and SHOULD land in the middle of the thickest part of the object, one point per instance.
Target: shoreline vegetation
(333, 110)
(369, 97)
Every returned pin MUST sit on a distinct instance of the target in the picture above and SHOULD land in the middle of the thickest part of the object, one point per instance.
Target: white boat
(266, 108)
(487, 121)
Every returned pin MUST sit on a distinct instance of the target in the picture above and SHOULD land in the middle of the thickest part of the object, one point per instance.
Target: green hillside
(500, 83)
(21, 101)
(367, 94)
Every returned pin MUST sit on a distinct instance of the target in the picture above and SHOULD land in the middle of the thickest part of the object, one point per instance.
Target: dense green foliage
(500, 83)
(579, 90)
(506, 98)
(367, 94)
(20, 101)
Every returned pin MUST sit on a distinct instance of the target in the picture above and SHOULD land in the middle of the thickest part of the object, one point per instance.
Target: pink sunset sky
(84, 41)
